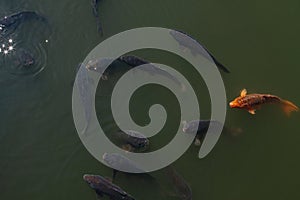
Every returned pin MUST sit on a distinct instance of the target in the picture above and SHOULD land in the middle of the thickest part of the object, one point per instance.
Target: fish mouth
(145, 143)
(232, 104)
(86, 176)
(185, 126)
(104, 156)
(89, 179)
(29, 63)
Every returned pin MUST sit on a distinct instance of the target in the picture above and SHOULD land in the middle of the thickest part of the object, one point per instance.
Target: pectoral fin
(127, 147)
(114, 174)
(197, 142)
(99, 196)
(251, 111)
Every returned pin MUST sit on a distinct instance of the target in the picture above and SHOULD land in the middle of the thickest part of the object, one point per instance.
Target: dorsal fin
(243, 92)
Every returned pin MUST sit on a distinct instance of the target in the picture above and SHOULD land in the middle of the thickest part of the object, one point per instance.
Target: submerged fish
(251, 102)
(134, 139)
(118, 161)
(193, 45)
(83, 83)
(200, 127)
(95, 4)
(17, 18)
(183, 189)
(135, 61)
(24, 58)
(103, 186)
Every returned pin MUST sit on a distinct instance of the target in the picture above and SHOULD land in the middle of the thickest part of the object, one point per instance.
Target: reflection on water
(22, 40)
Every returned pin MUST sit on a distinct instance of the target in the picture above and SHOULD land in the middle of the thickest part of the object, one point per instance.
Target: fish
(24, 58)
(83, 83)
(183, 189)
(95, 4)
(135, 61)
(15, 19)
(118, 161)
(134, 139)
(200, 127)
(103, 186)
(193, 45)
(252, 102)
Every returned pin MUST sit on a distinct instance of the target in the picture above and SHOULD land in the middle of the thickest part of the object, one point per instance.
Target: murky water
(41, 154)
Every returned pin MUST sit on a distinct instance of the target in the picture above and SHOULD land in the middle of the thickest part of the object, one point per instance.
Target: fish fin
(251, 111)
(114, 174)
(85, 129)
(127, 147)
(78, 67)
(218, 64)
(243, 92)
(99, 195)
(288, 107)
(104, 77)
(197, 142)
(109, 179)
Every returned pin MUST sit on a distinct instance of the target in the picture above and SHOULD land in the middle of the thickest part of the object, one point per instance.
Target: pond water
(41, 154)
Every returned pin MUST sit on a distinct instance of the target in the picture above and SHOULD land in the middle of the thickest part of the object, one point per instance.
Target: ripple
(23, 52)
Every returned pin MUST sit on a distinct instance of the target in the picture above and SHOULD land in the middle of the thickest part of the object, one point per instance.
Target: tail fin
(288, 107)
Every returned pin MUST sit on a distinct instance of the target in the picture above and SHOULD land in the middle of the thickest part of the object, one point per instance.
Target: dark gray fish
(135, 61)
(14, 20)
(83, 84)
(103, 186)
(200, 126)
(183, 189)
(193, 45)
(95, 4)
(135, 139)
(24, 58)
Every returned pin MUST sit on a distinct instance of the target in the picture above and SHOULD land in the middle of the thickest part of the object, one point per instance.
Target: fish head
(137, 139)
(185, 126)
(110, 159)
(235, 103)
(25, 58)
(190, 127)
(143, 142)
(140, 144)
(92, 180)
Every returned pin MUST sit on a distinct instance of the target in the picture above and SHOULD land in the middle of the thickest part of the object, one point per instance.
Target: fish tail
(83, 132)
(288, 107)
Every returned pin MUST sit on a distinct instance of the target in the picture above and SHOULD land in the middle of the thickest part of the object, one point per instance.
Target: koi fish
(103, 186)
(195, 47)
(200, 127)
(134, 140)
(17, 18)
(94, 4)
(251, 102)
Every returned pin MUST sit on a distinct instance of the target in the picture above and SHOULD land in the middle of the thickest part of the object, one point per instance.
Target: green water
(42, 156)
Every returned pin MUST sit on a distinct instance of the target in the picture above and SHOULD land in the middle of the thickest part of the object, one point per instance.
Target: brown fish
(251, 102)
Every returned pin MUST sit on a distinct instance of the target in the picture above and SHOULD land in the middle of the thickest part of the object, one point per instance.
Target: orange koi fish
(251, 102)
